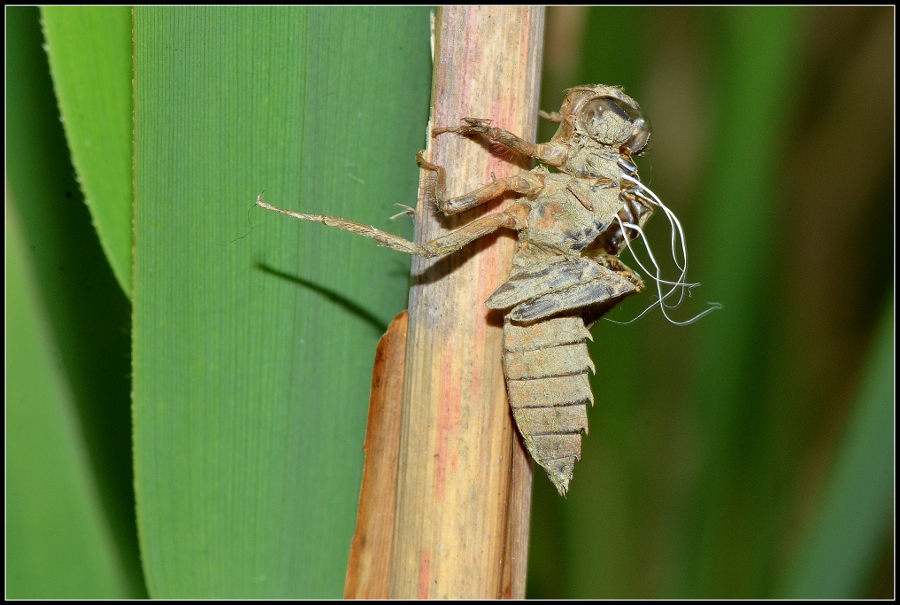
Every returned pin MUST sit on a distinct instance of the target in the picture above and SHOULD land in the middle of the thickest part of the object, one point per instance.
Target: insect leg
(480, 227)
(388, 240)
(548, 153)
(524, 184)
(511, 218)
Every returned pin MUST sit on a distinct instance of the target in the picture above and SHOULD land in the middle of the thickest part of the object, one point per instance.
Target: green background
(210, 369)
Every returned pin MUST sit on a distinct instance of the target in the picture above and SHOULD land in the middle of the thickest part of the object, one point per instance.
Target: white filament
(680, 284)
(677, 230)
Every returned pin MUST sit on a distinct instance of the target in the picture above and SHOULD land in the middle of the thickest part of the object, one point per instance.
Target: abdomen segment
(546, 365)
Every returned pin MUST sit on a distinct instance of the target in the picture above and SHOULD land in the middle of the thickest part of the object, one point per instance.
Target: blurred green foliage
(746, 456)
(711, 445)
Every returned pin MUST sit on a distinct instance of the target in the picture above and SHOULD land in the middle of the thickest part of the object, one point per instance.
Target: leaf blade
(253, 354)
(90, 60)
(855, 511)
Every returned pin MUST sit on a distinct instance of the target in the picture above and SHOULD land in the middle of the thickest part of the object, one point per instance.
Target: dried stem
(369, 568)
(464, 482)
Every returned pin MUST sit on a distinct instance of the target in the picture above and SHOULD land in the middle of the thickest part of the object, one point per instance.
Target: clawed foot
(551, 116)
(407, 211)
(469, 126)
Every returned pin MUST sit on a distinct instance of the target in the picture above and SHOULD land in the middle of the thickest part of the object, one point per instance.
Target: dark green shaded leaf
(58, 545)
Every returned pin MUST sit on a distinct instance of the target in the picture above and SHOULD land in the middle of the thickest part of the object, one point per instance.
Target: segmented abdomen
(546, 365)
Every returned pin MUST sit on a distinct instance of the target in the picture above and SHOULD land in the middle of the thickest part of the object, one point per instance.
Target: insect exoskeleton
(545, 357)
(566, 274)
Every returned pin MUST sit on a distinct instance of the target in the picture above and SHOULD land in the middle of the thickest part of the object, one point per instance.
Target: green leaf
(58, 545)
(254, 334)
(855, 513)
(90, 60)
(83, 324)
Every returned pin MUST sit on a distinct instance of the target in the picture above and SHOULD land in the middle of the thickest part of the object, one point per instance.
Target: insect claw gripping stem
(520, 183)
(572, 225)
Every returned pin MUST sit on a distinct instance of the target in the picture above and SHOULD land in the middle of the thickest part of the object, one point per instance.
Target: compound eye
(641, 136)
(603, 120)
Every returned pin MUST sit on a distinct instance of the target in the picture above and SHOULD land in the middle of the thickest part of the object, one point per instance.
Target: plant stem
(464, 484)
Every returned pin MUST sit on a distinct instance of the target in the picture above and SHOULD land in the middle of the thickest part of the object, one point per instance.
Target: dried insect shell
(572, 225)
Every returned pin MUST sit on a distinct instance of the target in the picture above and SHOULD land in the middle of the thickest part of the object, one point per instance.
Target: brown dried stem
(464, 482)
(369, 567)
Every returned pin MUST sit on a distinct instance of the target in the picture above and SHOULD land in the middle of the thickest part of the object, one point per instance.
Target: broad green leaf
(83, 325)
(90, 59)
(254, 334)
(58, 545)
(855, 515)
